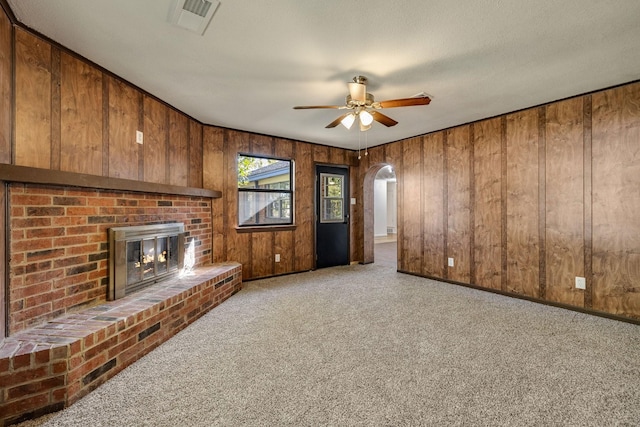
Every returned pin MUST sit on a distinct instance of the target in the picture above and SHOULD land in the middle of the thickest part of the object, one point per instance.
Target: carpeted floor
(364, 345)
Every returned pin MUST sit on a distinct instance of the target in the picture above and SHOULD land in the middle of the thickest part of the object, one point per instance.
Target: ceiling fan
(364, 107)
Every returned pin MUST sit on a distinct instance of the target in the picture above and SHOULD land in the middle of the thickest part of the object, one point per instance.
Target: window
(265, 195)
(331, 196)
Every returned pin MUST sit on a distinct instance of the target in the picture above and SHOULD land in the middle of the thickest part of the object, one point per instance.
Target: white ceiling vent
(194, 15)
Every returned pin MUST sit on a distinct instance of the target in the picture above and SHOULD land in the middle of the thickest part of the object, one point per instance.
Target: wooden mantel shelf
(23, 174)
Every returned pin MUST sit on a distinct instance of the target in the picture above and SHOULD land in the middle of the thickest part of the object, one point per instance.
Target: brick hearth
(48, 367)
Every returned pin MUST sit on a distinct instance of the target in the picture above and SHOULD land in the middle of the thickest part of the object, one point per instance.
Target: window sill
(265, 228)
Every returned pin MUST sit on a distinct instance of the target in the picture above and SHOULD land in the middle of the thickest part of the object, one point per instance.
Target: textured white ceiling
(258, 59)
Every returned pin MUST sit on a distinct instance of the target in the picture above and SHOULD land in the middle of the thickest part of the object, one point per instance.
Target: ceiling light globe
(366, 118)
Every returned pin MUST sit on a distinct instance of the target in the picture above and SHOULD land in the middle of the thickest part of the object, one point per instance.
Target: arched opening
(380, 215)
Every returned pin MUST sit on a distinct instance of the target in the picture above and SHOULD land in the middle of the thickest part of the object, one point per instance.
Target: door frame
(316, 209)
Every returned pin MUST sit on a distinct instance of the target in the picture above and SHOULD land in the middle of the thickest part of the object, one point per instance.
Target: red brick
(59, 353)
(59, 367)
(35, 387)
(83, 229)
(69, 201)
(81, 210)
(31, 245)
(69, 220)
(33, 200)
(71, 240)
(65, 262)
(23, 376)
(45, 276)
(25, 405)
(34, 233)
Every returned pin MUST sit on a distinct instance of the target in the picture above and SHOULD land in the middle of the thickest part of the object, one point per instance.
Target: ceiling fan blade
(405, 102)
(308, 107)
(381, 118)
(337, 121)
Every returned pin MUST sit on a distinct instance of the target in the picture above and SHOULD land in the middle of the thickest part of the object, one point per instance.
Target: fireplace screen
(142, 255)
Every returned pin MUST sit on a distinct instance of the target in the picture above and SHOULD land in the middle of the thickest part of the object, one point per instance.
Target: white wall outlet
(353, 200)
(277, 257)
(581, 283)
(139, 137)
(450, 262)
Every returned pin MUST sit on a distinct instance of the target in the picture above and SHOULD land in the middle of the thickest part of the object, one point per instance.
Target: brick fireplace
(59, 243)
(65, 337)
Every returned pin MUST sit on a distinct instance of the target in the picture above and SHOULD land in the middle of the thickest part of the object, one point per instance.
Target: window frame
(267, 226)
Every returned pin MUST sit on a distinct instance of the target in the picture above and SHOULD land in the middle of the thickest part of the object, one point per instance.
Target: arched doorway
(380, 215)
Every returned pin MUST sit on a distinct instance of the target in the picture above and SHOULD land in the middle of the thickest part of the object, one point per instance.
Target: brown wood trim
(532, 299)
(588, 203)
(264, 228)
(23, 174)
(7, 10)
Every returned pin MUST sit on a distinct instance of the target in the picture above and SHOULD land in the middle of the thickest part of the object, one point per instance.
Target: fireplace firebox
(140, 256)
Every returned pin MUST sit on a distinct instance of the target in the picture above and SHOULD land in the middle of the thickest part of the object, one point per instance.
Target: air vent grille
(198, 7)
(193, 15)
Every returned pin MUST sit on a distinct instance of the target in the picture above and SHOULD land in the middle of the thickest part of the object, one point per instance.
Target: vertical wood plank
(412, 222)
(33, 101)
(6, 87)
(213, 161)
(458, 202)
(616, 180)
(321, 154)
(261, 145)
(156, 121)
(304, 239)
(367, 173)
(433, 196)
(81, 117)
(238, 244)
(564, 201)
(123, 124)
(178, 148)
(487, 203)
(55, 109)
(195, 154)
(262, 258)
(283, 240)
(337, 156)
(376, 155)
(394, 157)
(588, 202)
(523, 264)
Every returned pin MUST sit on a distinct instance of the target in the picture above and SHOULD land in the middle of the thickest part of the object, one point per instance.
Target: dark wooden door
(332, 216)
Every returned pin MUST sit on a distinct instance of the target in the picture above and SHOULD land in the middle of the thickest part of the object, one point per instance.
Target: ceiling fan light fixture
(364, 127)
(366, 118)
(348, 120)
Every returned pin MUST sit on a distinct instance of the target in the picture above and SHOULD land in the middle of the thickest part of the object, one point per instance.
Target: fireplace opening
(140, 256)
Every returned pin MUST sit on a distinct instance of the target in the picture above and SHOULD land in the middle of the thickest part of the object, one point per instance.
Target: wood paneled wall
(256, 249)
(72, 116)
(6, 84)
(526, 202)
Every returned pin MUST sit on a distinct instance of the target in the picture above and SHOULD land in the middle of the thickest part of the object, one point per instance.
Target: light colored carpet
(364, 345)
